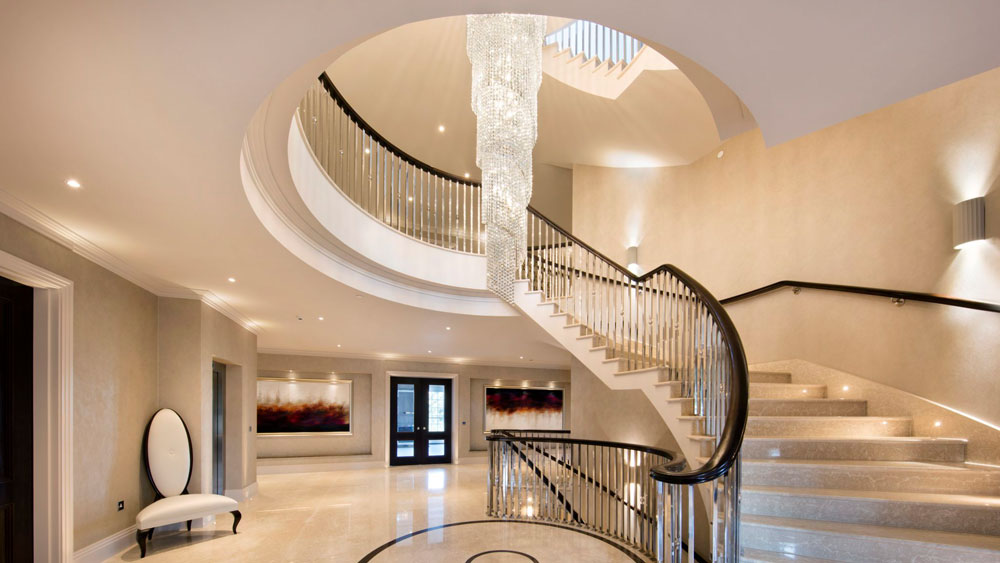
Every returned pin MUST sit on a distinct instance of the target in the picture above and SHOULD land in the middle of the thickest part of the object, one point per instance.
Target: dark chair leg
(140, 537)
(236, 519)
(149, 534)
(189, 525)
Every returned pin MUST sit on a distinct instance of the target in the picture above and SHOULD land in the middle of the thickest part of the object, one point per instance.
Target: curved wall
(370, 237)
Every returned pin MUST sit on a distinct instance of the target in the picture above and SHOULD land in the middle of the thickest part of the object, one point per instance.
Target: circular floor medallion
(492, 551)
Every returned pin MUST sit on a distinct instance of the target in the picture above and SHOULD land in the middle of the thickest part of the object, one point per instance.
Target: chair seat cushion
(182, 508)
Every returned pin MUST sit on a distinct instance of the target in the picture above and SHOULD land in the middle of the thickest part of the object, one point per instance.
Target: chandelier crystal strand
(506, 55)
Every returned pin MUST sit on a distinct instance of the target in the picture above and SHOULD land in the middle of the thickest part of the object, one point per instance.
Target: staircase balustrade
(595, 40)
(395, 188)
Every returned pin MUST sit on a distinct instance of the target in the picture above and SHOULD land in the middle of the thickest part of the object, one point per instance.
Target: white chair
(166, 448)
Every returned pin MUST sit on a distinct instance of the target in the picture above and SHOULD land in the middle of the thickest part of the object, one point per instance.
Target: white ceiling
(147, 103)
(408, 81)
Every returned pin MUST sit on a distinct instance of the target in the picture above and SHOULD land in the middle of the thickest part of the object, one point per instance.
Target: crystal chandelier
(506, 55)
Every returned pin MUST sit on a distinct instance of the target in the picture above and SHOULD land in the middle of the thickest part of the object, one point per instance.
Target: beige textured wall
(866, 202)
(616, 416)
(552, 193)
(468, 383)
(114, 382)
(223, 340)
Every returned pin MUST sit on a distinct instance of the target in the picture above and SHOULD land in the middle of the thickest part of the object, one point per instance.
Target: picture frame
(289, 407)
(523, 408)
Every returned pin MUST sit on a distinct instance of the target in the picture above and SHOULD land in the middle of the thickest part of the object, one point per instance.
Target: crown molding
(406, 358)
(41, 223)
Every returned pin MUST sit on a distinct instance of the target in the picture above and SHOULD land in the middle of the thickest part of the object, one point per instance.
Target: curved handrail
(676, 458)
(731, 438)
(350, 111)
(861, 290)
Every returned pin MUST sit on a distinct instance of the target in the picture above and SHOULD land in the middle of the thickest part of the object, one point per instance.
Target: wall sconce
(632, 259)
(969, 222)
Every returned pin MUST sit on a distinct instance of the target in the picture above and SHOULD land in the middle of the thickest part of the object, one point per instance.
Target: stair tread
(873, 439)
(974, 541)
(949, 499)
(640, 370)
(768, 384)
(813, 400)
(750, 554)
(830, 417)
(874, 464)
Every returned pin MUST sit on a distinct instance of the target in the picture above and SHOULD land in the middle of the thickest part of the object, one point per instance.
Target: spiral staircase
(784, 467)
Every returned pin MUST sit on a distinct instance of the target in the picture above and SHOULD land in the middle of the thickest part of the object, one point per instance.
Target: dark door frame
(421, 436)
(219, 427)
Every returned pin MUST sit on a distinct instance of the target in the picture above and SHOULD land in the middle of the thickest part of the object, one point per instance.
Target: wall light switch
(121, 505)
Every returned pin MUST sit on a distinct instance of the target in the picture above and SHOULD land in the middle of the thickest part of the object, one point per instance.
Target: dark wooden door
(420, 421)
(16, 495)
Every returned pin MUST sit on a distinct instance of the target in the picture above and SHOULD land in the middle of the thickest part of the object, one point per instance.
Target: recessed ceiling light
(368, 150)
(847, 388)
(447, 328)
(520, 357)
(410, 198)
(232, 280)
(428, 351)
(440, 128)
(338, 345)
(720, 154)
(466, 174)
(73, 183)
(320, 318)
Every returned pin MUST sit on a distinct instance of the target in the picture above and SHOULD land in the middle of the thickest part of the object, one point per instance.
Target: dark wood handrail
(891, 293)
(371, 132)
(728, 449)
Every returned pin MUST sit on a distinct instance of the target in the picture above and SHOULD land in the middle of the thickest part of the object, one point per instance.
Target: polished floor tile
(345, 515)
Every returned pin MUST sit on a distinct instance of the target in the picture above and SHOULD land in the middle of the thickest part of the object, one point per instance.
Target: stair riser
(843, 547)
(776, 391)
(871, 479)
(923, 516)
(768, 377)
(788, 407)
(807, 449)
(828, 427)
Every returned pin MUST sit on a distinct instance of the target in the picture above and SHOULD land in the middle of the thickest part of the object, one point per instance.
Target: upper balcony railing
(390, 185)
(595, 40)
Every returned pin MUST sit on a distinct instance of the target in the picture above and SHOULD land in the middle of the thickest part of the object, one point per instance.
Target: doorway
(420, 420)
(16, 466)
(218, 428)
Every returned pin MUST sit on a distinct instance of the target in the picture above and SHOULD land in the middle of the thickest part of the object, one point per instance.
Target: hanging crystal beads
(506, 55)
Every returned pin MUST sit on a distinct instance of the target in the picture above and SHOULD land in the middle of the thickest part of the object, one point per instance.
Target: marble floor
(435, 514)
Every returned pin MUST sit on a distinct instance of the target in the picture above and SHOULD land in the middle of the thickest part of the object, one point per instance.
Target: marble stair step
(808, 407)
(760, 556)
(898, 476)
(908, 448)
(969, 514)
(770, 377)
(787, 391)
(825, 426)
(838, 541)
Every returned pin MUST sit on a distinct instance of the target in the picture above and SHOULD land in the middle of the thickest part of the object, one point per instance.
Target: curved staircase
(821, 480)
(818, 478)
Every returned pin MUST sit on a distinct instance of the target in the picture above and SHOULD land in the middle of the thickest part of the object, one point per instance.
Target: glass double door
(420, 425)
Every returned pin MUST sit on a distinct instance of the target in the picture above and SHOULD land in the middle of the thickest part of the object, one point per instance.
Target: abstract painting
(303, 406)
(520, 408)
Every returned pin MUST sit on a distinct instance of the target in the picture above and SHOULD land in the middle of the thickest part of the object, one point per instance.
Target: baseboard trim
(240, 495)
(107, 547)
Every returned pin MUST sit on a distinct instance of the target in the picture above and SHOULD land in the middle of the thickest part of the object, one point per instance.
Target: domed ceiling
(411, 80)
